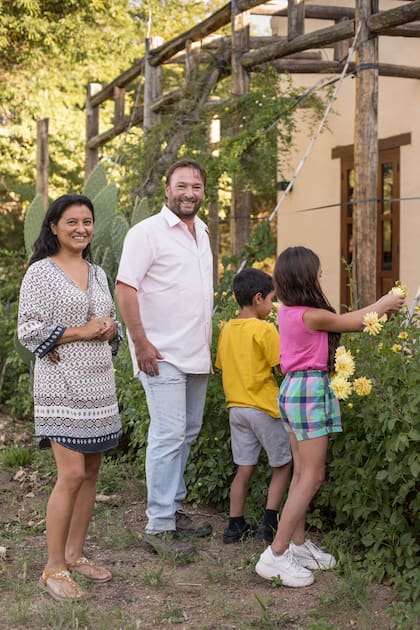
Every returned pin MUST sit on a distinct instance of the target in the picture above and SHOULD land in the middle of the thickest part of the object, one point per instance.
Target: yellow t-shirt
(247, 351)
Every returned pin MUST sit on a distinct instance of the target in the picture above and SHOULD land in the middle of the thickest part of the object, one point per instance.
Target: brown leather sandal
(54, 589)
(89, 570)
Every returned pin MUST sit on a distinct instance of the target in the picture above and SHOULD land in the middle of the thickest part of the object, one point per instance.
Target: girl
(309, 332)
(67, 318)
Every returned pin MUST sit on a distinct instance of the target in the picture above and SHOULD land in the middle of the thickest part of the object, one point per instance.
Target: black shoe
(237, 535)
(167, 543)
(186, 528)
(265, 532)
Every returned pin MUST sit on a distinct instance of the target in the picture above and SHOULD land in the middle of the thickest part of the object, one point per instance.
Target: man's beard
(194, 208)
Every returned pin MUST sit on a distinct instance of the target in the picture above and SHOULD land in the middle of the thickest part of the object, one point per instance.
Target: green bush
(374, 465)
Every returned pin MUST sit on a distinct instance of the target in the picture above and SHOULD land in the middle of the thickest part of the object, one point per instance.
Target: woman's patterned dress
(74, 398)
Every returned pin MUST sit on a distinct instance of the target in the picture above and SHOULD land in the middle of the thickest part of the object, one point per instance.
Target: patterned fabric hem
(49, 343)
(82, 445)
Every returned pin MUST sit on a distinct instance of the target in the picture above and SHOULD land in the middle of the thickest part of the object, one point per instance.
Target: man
(165, 295)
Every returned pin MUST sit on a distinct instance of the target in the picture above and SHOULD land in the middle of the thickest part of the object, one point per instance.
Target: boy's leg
(278, 486)
(239, 490)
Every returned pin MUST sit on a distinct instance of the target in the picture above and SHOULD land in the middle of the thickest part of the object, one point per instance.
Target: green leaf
(119, 229)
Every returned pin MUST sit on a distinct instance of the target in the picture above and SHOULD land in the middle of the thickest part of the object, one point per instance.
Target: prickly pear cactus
(33, 220)
(95, 182)
(140, 210)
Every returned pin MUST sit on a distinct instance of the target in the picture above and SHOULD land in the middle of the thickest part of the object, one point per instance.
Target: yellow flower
(362, 386)
(396, 347)
(380, 346)
(199, 484)
(403, 335)
(372, 325)
(344, 364)
(400, 290)
(341, 387)
(383, 319)
(340, 350)
(350, 405)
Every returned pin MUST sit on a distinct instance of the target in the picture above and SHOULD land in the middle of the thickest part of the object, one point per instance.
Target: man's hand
(147, 358)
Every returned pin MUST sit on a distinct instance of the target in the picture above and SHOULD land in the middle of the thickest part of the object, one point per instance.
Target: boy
(248, 350)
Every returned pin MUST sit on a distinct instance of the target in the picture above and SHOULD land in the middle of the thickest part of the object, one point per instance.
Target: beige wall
(318, 183)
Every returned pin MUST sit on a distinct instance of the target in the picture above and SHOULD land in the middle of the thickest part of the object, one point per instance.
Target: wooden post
(341, 49)
(92, 128)
(42, 160)
(119, 102)
(152, 84)
(295, 18)
(365, 158)
(240, 219)
(214, 235)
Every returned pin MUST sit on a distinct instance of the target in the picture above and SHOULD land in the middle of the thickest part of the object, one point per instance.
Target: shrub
(374, 464)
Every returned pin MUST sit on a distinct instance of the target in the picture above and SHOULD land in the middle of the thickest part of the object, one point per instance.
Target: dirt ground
(219, 590)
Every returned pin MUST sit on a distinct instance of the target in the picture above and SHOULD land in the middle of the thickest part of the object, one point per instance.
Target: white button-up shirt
(173, 275)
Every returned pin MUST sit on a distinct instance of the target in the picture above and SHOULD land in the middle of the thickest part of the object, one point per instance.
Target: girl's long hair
(47, 243)
(296, 283)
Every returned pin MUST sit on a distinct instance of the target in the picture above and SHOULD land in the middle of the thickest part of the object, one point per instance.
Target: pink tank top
(300, 347)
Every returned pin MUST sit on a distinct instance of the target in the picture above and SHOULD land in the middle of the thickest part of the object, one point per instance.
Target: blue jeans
(176, 405)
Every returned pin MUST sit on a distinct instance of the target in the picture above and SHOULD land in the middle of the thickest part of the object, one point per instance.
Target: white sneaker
(285, 567)
(312, 557)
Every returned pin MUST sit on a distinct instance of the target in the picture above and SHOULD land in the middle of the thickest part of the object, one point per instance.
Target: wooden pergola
(240, 54)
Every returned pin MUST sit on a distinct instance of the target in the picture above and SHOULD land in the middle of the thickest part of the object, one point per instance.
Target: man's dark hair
(248, 282)
(186, 163)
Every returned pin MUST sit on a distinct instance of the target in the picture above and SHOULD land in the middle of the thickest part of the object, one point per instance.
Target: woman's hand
(108, 330)
(92, 329)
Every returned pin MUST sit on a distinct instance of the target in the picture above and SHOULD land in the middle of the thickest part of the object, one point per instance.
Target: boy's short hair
(248, 282)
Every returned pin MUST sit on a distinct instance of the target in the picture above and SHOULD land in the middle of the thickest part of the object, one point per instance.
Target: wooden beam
(322, 66)
(316, 39)
(152, 84)
(312, 11)
(213, 23)
(331, 34)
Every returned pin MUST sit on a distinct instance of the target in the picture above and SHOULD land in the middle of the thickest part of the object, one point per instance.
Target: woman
(67, 318)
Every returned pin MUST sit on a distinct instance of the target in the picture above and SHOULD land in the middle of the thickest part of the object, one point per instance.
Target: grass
(219, 589)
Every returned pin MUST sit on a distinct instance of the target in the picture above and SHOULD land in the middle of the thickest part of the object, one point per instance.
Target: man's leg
(196, 388)
(166, 399)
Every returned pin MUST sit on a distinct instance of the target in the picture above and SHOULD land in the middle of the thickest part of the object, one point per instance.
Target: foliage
(374, 464)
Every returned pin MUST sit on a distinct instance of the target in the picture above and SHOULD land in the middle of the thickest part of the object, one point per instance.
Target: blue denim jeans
(176, 404)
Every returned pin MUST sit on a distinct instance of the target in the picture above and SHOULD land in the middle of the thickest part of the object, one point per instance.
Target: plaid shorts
(307, 405)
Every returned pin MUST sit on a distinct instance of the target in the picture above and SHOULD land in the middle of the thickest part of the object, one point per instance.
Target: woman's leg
(83, 508)
(70, 475)
(310, 456)
(82, 514)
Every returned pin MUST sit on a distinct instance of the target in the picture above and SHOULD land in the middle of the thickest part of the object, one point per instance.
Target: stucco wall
(318, 183)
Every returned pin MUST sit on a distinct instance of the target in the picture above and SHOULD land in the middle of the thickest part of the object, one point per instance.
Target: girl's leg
(310, 456)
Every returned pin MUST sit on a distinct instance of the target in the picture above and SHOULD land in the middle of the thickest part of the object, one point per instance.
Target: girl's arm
(320, 319)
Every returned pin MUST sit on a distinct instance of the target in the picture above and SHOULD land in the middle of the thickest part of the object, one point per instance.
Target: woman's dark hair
(296, 283)
(47, 243)
(248, 282)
